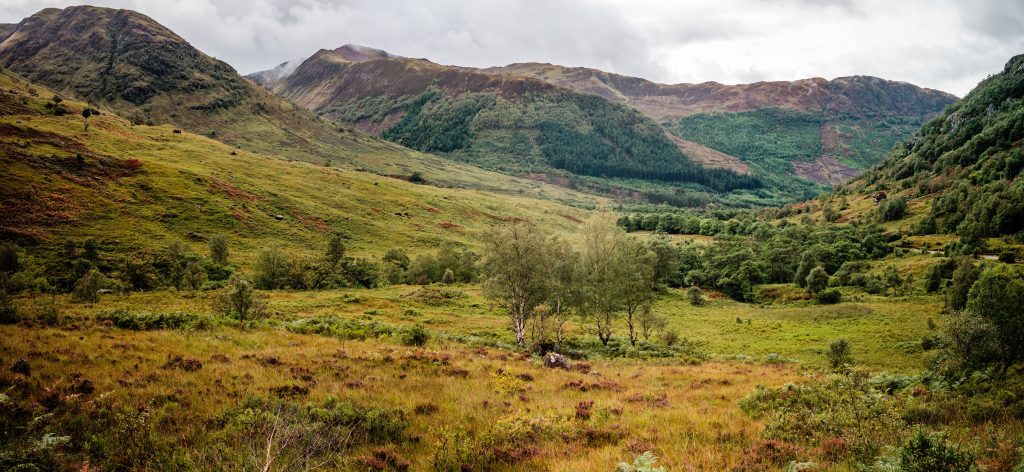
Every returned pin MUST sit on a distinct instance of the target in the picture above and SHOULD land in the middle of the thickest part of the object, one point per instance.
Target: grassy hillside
(139, 187)
(144, 72)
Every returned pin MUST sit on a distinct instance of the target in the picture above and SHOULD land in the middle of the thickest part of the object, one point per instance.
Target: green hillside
(138, 187)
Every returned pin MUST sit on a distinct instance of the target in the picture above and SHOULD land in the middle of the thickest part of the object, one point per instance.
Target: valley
(362, 261)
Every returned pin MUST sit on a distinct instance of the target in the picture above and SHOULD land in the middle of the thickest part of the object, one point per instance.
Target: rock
(278, 217)
(177, 131)
(21, 367)
(556, 360)
(83, 386)
(104, 291)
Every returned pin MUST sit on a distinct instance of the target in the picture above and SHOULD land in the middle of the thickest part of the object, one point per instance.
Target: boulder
(556, 361)
(21, 367)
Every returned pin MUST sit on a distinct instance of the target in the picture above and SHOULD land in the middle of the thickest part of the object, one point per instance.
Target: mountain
(145, 72)
(826, 131)
(135, 188)
(512, 124)
(960, 173)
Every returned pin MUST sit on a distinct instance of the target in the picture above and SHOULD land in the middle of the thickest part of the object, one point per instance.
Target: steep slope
(143, 71)
(512, 124)
(960, 173)
(139, 187)
(843, 126)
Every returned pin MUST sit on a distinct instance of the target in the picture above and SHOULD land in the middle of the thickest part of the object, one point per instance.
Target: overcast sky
(944, 44)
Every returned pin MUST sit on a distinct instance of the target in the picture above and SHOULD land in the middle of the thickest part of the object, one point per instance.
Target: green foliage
(840, 353)
(969, 342)
(817, 280)
(239, 300)
(219, 249)
(641, 463)
(415, 336)
(87, 289)
(8, 309)
(969, 156)
(695, 295)
(892, 209)
(145, 321)
(929, 453)
(964, 276)
(998, 297)
(829, 296)
(272, 269)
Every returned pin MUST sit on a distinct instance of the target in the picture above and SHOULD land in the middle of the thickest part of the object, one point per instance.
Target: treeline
(86, 271)
(622, 143)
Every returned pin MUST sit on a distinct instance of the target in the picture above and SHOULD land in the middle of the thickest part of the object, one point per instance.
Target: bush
(839, 353)
(48, 313)
(241, 302)
(695, 295)
(930, 453)
(219, 249)
(8, 310)
(145, 321)
(415, 336)
(817, 280)
(87, 288)
(448, 278)
(670, 337)
(829, 296)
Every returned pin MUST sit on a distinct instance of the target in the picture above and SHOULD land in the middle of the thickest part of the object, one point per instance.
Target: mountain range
(588, 130)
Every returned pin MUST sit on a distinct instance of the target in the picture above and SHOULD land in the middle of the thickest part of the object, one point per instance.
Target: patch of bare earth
(825, 170)
(708, 157)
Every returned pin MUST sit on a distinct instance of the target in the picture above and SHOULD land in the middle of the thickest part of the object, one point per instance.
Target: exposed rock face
(556, 361)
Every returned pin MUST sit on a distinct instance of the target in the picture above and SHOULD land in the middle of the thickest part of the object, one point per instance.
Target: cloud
(942, 44)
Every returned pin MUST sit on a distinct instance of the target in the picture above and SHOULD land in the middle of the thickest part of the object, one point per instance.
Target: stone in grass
(556, 360)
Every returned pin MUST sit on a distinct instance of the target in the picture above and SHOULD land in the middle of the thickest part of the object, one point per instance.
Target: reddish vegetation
(218, 185)
(450, 225)
(312, 222)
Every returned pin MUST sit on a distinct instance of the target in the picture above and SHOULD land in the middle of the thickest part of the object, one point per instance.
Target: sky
(943, 44)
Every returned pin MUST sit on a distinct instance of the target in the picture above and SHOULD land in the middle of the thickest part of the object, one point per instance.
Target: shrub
(448, 278)
(929, 453)
(695, 295)
(145, 321)
(415, 335)
(87, 288)
(839, 353)
(241, 301)
(829, 296)
(48, 313)
(817, 280)
(997, 296)
(1008, 256)
(8, 310)
(670, 337)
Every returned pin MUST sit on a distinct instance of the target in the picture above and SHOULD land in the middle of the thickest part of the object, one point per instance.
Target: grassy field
(696, 424)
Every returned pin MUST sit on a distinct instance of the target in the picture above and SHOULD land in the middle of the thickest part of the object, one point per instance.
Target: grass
(127, 367)
(189, 187)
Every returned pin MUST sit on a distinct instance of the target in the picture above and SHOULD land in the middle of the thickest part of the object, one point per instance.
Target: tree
(87, 288)
(241, 301)
(219, 249)
(998, 297)
(650, 322)
(808, 261)
(448, 278)
(964, 275)
(515, 272)
(635, 265)
(601, 242)
(666, 262)
(565, 293)
(817, 280)
(272, 269)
